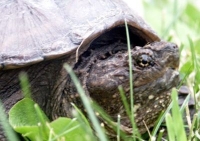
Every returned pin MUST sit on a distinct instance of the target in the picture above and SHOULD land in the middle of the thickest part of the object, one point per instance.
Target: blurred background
(177, 21)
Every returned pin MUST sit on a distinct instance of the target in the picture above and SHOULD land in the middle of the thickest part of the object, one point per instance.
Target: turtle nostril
(171, 47)
(174, 46)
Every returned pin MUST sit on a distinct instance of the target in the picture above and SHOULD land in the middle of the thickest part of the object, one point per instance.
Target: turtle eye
(145, 60)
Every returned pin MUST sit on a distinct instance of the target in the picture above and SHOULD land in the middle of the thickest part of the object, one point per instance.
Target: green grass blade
(9, 133)
(80, 115)
(161, 119)
(118, 129)
(106, 118)
(160, 135)
(192, 127)
(185, 103)
(25, 84)
(43, 121)
(135, 130)
(197, 134)
(124, 101)
(84, 123)
(170, 127)
(177, 117)
(64, 133)
(196, 65)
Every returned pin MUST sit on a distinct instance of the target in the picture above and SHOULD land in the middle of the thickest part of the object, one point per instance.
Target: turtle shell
(32, 31)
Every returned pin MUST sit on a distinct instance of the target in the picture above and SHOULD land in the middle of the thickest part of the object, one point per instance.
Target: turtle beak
(173, 49)
(171, 53)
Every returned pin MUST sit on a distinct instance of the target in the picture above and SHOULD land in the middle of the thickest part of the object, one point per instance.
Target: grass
(131, 114)
(11, 136)
(178, 22)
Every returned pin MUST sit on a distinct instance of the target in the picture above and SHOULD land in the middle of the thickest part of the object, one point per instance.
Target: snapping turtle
(38, 37)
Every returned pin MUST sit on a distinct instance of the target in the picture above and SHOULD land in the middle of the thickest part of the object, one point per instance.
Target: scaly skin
(154, 76)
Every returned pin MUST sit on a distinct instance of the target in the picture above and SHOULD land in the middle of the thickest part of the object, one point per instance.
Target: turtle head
(103, 69)
(154, 74)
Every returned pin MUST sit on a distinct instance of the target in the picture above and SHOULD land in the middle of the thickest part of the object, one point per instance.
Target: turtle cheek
(105, 76)
(104, 90)
(173, 61)
(168, 57)
(169, 60)
(103, 81)
(104, 86)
